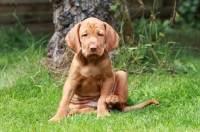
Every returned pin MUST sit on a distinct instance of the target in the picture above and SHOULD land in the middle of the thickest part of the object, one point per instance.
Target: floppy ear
(112, 38)
(72, 38)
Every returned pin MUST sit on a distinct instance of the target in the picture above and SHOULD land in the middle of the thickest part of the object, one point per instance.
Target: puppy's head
(90, 36)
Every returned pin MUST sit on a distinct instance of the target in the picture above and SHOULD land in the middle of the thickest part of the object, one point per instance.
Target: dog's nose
(93, 47)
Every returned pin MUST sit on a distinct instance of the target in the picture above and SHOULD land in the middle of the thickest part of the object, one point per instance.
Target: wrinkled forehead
(92, 25)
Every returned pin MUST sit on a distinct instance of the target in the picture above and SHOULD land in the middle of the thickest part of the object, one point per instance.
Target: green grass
(29, 97)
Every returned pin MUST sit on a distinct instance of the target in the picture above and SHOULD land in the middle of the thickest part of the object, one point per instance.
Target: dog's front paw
(54, 119)
(103, 113)
(57, 118)
(112, 99)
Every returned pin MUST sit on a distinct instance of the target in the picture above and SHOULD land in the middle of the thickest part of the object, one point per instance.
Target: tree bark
(67, 13)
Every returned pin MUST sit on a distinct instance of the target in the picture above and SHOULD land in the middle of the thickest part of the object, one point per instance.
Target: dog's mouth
(93, 55)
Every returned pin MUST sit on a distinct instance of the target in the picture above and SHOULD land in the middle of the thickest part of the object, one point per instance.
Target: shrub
(189, 11)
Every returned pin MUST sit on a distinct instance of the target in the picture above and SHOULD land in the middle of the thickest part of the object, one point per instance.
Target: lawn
(29, 97)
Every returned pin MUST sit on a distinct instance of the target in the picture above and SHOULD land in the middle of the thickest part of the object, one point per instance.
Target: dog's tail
(141, 105)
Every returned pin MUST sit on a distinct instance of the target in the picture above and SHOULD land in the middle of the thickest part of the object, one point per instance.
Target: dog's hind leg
(81, 110)
(118, 96)
(141, 105)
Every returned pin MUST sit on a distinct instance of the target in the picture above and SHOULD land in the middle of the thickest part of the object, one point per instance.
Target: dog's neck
(91, 67)
(92, 60)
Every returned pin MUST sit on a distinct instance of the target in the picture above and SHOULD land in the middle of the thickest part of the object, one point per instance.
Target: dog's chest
(91, 70)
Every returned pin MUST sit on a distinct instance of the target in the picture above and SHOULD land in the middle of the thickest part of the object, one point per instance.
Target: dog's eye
(84, 35)
(100, 34)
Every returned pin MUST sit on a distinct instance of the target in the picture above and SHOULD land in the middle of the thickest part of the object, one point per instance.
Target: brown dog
(91, 83)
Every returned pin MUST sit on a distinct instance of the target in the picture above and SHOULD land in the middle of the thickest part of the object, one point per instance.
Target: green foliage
(158, 48)
(19, 38)
(155, 46)
(151, 50)
(16, 40)
(114, 7)
(189, 12)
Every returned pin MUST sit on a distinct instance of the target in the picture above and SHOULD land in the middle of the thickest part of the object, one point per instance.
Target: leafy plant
(189, 12)
(153, 48)
(150, 51)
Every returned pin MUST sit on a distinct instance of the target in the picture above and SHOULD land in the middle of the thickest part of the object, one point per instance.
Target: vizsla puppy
(91, 83)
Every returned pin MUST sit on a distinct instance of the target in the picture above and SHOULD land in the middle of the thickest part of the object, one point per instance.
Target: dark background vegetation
(157, 38)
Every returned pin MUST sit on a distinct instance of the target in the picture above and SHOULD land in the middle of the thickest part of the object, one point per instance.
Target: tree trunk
(67, 13)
